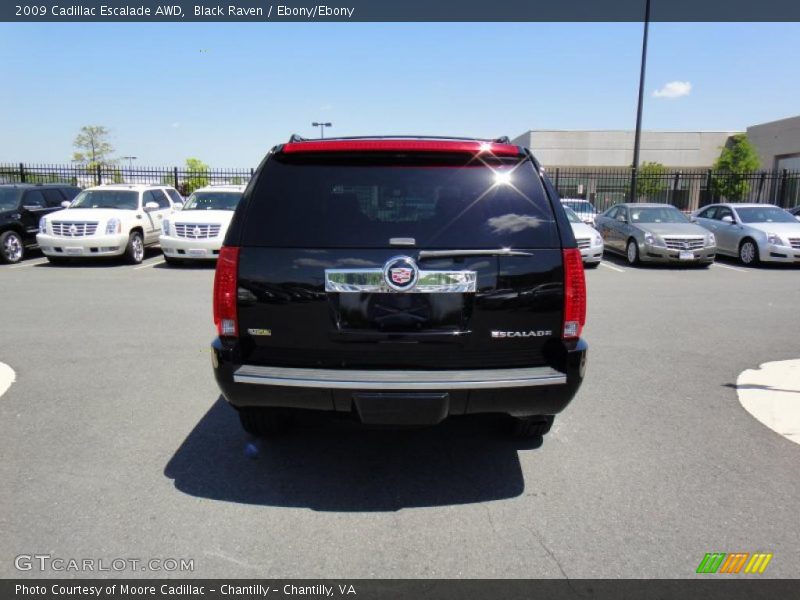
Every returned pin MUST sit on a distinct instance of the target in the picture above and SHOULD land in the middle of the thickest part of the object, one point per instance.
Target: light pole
(322, 127)
(130, 160)
(638, 134)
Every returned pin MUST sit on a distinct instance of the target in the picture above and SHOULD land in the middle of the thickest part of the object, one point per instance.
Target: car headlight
(42, 225)
(775, 239)
(113, 226)
(652, 240)
(165, 226)
(598, 239)
(712, 240)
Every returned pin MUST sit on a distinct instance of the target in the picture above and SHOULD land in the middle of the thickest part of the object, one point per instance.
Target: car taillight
(574, 294)
(225, 291)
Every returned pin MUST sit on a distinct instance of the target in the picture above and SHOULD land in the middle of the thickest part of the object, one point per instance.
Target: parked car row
(116, 220)
(122, 220)
(660, 233)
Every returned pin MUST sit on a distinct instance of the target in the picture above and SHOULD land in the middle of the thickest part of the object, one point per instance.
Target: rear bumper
(405, 397)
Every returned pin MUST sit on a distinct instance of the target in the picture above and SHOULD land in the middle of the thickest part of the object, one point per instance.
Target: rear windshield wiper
(472, 252)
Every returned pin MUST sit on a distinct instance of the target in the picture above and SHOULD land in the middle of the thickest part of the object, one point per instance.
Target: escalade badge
(73, 229)
(400, 273)
(196, 232)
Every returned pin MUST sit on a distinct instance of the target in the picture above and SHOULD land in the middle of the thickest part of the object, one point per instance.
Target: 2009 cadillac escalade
(402, 280)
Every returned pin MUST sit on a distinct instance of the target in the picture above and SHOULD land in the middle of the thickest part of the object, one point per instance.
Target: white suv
(197, 231)
(108, 220)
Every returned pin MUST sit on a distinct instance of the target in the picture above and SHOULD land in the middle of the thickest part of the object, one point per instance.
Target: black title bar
(398, 11)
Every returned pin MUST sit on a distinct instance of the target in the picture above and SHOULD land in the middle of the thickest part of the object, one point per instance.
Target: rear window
(352, 201)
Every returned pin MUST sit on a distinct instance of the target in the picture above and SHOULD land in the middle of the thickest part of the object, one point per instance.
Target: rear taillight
(225, 286)
(574, 294)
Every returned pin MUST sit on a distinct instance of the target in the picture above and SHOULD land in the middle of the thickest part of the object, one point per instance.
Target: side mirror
(797, 217)
(150, 206)
(178, 205)
(693, 219)
(728, 219)
(65, 204)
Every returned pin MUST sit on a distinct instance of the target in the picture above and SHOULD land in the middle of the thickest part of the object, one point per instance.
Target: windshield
(213, 201)
(9, 197)
(764, 214)
(362, 201)
(573, 218)
(107, 199)
(660, 214)
(580, 206)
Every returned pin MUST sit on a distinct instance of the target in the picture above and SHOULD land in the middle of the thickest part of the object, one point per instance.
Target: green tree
(732, 170)
(92, 146)
(196, 175)
(651, 180)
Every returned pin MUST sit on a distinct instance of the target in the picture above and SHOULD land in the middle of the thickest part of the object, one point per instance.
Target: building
(596, 164)
(778, 143)
(614, 148)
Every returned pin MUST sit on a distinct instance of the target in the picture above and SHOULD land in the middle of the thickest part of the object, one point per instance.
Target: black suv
(402, 280)
(21, 207)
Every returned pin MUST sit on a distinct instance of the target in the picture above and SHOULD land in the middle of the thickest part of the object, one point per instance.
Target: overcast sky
(227, 92)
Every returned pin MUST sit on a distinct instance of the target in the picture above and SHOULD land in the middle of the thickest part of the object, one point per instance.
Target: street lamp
(322, 127)
(130, 160)
(638, 134)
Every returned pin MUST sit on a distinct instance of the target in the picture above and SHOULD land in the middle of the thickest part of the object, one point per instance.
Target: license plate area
(402, 408)
(73, 251)
(197, 252)
(686, 255)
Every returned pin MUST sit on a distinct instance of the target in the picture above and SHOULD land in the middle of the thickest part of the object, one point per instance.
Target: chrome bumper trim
(399, 380)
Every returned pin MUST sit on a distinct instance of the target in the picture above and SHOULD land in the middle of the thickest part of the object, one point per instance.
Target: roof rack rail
(500, 140)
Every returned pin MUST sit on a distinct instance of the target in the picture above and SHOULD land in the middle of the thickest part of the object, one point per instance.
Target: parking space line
(716, 264)
(612, 267)
(148, 265)
(41, 261)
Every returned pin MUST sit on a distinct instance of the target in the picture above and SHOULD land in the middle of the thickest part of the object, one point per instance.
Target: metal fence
(687, 189)
(184, 180)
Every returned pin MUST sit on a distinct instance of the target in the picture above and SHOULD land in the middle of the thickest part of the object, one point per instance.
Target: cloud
(674, 89)
(176, 124)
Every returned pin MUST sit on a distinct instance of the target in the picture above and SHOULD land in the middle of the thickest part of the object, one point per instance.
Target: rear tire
(263, 422)
(134, 251)
(532, 427)
(11, 247)
(632, 252)
(748, 253)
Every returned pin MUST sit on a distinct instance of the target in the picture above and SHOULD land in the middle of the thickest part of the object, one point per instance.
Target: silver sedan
(753, 232)
(655, 233)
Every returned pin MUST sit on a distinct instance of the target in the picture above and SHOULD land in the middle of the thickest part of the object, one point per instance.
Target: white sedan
(590, 242)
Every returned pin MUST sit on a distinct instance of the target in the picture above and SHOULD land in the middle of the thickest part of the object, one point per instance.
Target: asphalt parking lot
(114, 443)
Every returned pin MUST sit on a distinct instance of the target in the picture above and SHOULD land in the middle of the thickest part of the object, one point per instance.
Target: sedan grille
(795, 243)
(197, 231)
(74, 229)
(584, 242)
(693, 243)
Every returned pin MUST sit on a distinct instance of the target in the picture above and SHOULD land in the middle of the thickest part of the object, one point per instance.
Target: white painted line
(148, 265)
(7, 377)
(612, 267)
(29, 263)
(716, 264)
(771, 394)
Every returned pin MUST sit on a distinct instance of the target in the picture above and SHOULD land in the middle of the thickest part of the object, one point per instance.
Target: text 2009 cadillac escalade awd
(402, 280)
